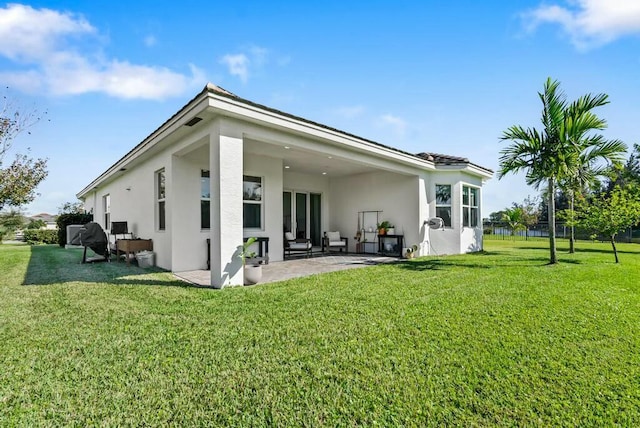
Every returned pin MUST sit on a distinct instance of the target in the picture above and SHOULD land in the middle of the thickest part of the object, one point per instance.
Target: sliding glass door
(302, 215)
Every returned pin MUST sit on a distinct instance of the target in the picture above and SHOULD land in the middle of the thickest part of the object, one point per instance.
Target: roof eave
(178, 119)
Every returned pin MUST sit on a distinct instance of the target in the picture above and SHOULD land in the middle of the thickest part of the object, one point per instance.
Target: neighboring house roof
(440, 159)
(210, 88)
(47, 218)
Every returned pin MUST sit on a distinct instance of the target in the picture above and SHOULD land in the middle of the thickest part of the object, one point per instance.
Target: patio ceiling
(297, 159)
(305, 161)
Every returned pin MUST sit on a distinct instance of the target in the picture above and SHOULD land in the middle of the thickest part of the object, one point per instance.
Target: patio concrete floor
(297, 267)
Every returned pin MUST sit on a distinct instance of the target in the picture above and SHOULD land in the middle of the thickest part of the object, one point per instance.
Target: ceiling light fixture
(287, 147)
(324, 173)
(287, 167)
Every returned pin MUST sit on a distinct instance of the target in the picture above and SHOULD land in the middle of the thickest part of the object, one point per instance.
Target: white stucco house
(226, 168)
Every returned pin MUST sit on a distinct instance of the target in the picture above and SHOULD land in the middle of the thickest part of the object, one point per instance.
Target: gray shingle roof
(437, 158)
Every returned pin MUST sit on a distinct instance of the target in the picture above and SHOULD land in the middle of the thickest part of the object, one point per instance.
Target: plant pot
(391, 231)
(252, 274)
(382, 231)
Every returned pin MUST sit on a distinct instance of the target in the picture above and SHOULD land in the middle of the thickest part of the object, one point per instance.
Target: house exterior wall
(455, 239)
(396, 195)
(188, 249)
(228, 141)
(270, 169)
(138, 205)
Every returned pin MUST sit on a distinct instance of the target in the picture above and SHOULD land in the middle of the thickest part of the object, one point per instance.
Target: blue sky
(437, 76)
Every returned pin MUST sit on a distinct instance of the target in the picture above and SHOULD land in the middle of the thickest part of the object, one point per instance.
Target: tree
(36, 224)
(552, 154)
(10, 221)
(590, 166)
(496, 216)
(19, 180)
(71, 208)
(514, 217)
(609, 214)
(530, 212)
(621, 175)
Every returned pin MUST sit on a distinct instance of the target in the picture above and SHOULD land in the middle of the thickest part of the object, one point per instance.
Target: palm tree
(554, 153)
(514, 217)
(593, 162)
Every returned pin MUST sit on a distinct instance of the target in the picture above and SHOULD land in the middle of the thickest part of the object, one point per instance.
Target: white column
(226, 165)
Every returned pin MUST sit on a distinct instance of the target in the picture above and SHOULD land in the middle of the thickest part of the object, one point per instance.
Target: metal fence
(501, 231)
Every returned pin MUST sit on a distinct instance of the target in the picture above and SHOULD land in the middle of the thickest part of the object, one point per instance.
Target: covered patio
(298, 267)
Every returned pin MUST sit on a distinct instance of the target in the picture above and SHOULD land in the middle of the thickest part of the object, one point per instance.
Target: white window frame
(259, 202)
(472, 204)
(161, 199)
(204, 198)
(106, 207)
(442, 205)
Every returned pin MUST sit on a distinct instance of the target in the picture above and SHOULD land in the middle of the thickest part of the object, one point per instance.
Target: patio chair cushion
(333, 237)
(334, 240)
(289, 236)
(300, 245)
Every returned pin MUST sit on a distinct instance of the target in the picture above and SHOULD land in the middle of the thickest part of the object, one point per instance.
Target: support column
(226, 166)
(185, 250)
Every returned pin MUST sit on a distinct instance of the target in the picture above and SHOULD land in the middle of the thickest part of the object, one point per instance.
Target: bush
(41, 236)
(65, 220)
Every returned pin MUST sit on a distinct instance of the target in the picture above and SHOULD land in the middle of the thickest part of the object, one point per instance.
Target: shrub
(65, 220)
(41, 236)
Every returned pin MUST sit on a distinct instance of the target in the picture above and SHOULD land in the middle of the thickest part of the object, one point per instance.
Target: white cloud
(398, 124)
(247, 62)
(40, 41)
(238, 65)
(589, 23)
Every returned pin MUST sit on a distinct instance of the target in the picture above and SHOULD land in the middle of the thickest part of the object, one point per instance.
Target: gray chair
(333, 241)
(300, 245)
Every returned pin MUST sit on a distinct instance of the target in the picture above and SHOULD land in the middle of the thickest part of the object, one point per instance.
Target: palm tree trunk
(572, 233)
(553, 257)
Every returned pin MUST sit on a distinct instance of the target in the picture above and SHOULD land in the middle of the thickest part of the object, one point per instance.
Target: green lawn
(498, 338)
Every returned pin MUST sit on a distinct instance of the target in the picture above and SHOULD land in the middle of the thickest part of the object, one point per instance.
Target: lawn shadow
(50, 264)
(565, 249)
(507, 260)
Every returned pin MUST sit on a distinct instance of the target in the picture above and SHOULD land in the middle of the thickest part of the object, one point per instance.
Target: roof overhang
(214, 102)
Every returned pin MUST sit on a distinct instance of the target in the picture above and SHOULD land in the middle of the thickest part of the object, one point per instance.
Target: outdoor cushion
(289, 236)
(300, 245)
(333, 237)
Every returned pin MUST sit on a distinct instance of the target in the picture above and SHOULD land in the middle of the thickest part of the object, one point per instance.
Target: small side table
(395, 243)
(128, 246)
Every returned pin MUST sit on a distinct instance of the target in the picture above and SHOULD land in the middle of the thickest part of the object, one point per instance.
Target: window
(252, 202)
(160, 197)
(470, 208)
(205, 199)
(106, 207)
(443, 203)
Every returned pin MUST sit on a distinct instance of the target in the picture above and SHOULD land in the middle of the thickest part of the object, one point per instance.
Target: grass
(498, 338)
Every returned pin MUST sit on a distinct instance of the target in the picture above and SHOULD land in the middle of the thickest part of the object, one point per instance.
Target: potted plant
(411, 251)
(383, 226)
(251, 265)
